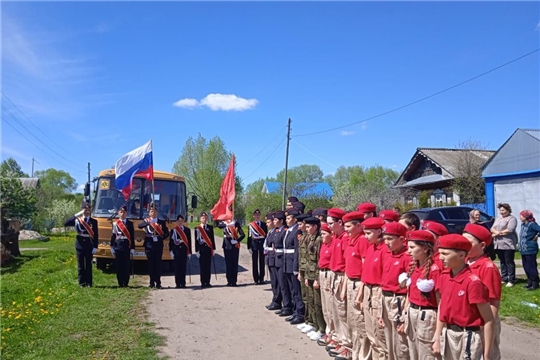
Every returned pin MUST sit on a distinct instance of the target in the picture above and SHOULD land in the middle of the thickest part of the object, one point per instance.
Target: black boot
(529, 283)
(534, 286)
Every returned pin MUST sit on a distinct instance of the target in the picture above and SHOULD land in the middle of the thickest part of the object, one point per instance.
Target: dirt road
(232, 323)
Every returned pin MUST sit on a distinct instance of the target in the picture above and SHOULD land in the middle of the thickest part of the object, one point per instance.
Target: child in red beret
(325, 276)
(481, 265)
(464, 306)
(422, 298)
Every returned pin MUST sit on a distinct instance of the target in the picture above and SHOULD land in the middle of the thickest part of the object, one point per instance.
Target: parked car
(454, 218)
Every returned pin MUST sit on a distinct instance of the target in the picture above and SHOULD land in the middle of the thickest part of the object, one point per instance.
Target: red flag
(223, 208)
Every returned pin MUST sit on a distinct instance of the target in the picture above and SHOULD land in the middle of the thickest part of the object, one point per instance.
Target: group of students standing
(373, 286)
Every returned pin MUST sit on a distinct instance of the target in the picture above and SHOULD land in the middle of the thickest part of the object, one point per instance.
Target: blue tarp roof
(310, 188)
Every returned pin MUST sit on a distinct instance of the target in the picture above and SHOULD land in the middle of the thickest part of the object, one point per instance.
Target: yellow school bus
(169, 196)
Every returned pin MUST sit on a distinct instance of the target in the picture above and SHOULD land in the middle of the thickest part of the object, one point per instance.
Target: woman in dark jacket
(528, 247)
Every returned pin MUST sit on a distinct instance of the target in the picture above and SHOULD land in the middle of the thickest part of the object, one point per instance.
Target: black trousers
(180, 265)
(508, 265)
(84, 265)
(296, 295)
(257, 258)
(277, 298)
(231, 264)
(205, 264)
(285, 291)
(122, 267)
(530, 265)
(154, 256)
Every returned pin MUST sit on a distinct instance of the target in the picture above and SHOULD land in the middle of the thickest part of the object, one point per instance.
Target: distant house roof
(519, 154)
(29, 183)
(444, 160)
(300, 189)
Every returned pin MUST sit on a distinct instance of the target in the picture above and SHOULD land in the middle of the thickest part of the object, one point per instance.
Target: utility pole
(286, 165)
(90, 192)
(33, 161)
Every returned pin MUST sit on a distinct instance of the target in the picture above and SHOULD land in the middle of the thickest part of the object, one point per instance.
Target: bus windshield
(169, 196)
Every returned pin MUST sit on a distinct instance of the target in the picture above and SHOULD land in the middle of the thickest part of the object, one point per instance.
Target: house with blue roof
(512, 174)
(300, 190)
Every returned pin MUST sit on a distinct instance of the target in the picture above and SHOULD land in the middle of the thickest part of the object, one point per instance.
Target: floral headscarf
(527, 214)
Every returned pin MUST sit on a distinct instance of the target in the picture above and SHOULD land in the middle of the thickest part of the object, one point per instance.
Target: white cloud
(81, 187)
(219, 102)
(187, 103)
(364, 126)
(347, 133)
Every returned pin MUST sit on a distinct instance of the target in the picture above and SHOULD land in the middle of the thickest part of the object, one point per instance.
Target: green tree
(17, 202)
(60, 210)
(58, 181)
(356, 184)
(203, 163)
(11, 169)
(423, 199)
(301, 180)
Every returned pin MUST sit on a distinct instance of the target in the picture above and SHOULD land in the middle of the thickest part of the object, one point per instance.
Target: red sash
(86, 226)
(206, 238)
(183, 235)
(120, 224)
(257, 228)
(155, 226)
(233, 231)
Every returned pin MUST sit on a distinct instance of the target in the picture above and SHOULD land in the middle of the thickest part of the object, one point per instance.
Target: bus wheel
(101, 264)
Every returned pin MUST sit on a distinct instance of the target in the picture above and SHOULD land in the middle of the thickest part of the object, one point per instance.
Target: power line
(424, 98)
(31, 133)
(24, 136)
(265, 160)
(270, 142)
(31, 122)
(317, 156)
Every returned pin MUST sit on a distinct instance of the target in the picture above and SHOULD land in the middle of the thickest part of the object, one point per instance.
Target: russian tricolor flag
(135, 162)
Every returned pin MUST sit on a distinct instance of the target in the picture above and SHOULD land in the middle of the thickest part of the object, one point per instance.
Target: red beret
(336, 213)
(389, 215)
(455, 242)
(367, 207)
(433, 226)
(353, 215)
(479, 232)
(325, 228)
(421, 235)
(394, 228)
(373, 223)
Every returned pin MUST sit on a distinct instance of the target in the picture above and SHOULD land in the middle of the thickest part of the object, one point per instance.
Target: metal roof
(446, 159)
(519, 154)
(29, 183)
(310, 188)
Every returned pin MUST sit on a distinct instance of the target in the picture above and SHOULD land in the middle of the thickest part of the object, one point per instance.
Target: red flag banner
(223, 208)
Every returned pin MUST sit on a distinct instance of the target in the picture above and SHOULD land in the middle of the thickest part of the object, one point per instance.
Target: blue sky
(96, 80)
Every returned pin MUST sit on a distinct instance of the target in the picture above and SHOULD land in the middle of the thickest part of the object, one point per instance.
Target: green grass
(46, 315)
(511, 305)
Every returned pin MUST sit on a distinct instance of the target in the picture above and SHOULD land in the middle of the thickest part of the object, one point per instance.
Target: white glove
(424, 285)
(172, 255)
(198, 254)
(132, 252)
(112, 252)
(79, 213)
(251, 251)
(295, 273)
(234, 242)
(404, 277)
(189, 257)
(94, 250)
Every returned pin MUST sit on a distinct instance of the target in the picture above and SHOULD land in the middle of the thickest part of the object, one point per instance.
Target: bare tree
(468, 181)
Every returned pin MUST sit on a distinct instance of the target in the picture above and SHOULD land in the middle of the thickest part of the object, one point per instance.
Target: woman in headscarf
(528, 247)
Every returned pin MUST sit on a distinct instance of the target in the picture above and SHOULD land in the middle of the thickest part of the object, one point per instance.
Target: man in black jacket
(180, 249)
(86, 242)
(205, 245)
(122, 245)
(233, 235)
(255, 244)
(156, 232)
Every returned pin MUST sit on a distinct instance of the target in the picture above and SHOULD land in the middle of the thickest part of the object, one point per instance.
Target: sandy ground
(232, 323)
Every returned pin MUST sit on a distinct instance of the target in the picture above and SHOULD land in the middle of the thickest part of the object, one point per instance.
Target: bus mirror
(87, 189)
(194, 202)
